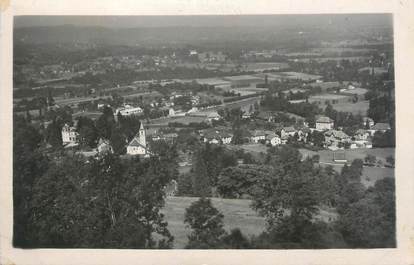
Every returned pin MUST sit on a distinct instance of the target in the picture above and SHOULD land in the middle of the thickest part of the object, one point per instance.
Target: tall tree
(206, 223)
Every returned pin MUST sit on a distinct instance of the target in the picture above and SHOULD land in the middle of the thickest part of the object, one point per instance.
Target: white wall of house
(136, 150)
(321, 126)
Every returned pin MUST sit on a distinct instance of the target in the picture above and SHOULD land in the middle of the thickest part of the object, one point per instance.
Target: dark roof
(381, 126)
(135, 142)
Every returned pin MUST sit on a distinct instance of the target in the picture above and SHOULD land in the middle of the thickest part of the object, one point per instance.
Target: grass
(237, 213)
(323, 97)
(369, 174)
(360, 107)
(360, 153)
(184, 120)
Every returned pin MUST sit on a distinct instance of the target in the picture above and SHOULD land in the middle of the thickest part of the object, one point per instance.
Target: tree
(236, 240)
(235, 182)
(105, 123)
(293, 181)
(206, 223)
(28, 165)
(370, 222)
(54, 135)
(370, 159)
(201, 182)
(118, 141)
(96, 204)
(185, 185)
(390, 160)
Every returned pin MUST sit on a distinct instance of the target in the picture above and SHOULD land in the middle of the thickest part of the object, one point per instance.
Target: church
(138, 145)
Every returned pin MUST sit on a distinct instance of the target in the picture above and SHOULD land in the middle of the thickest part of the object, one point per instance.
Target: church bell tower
(142, 139)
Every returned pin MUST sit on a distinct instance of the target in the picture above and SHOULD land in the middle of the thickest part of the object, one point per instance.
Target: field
(343, 103)
(257, 67)
(258, 151)
(369, 174)
(252, 89)
(323, 97)
(325, 59)
(184, 120)
(237, 213)
(360, 107)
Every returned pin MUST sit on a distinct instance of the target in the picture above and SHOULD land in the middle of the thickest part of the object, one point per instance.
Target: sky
(202, 21)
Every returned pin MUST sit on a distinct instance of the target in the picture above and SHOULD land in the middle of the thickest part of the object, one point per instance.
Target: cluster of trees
(71, 201)
(209, 162)
(280, 103)
(289, 193)
(366, 216)
(349, 122)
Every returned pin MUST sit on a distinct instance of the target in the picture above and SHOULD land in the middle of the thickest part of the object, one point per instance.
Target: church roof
(135, 142)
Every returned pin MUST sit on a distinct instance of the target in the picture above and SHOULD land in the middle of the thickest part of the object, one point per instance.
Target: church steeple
(142, 138)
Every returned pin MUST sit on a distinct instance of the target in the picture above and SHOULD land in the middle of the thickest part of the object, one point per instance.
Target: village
(141, 132)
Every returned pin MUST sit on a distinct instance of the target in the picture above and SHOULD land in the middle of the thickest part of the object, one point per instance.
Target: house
(287, 132)
(213, 115)
(324, 123)
(303, 133)
(335, 139)
(138, 145)
(361, 135)
(214, 136)
(257, 135)
(266, 116)
(69, 134)
(379, 127)
(176, 113)
(367, 122)
(273, 139)
(129, 110)
(209, 115)
(168, 137)
(104, 147)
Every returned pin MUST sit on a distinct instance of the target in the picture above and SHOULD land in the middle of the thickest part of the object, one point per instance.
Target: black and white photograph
(204, 132)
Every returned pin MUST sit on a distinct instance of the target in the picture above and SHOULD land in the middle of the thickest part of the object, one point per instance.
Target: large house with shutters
(324, 123)
(69, 134)
(138, 145)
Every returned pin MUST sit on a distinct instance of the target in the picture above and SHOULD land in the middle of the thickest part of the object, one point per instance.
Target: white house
(128, 110)
(257, 135)
(69, 134)
(138, 145)
(324, 123)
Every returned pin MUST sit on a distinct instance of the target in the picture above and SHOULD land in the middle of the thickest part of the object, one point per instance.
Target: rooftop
(324, 119)
(381, 126)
